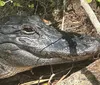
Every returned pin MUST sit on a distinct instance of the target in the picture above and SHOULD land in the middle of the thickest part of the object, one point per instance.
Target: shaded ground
(76, 20)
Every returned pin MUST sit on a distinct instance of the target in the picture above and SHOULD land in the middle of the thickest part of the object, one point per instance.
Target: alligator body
(26, 42)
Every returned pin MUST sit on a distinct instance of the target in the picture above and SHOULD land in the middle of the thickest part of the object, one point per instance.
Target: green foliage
(2, 3)
(89, 1)
(31, 5)
(17, 4)
(98, 0)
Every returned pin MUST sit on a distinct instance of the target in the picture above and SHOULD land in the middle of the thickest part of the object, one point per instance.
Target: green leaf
(31, 5)
(89, 1)
(17, 4)
(98, 0)
(2, 3)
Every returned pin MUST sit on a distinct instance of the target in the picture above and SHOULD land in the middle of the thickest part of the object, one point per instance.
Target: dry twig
(35, 82)
(49, 82)
(63, 77)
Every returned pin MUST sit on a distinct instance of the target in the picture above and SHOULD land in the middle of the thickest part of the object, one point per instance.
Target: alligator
(27, 42)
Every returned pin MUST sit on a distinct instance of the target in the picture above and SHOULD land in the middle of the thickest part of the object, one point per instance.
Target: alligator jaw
(9, 70)
(26, 42)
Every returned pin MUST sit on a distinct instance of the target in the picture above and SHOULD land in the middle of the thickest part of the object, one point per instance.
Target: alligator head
(27, 42)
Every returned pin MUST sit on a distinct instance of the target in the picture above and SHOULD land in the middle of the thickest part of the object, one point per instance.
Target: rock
(87, 76)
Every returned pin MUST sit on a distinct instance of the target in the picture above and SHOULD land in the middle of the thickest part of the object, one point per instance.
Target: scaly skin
(26, 42)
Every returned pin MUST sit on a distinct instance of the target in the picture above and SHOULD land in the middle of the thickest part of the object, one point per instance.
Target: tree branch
(91, 15)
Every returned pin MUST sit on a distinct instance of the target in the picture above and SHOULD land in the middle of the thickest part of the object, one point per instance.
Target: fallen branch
(63, 19)
(91, 15)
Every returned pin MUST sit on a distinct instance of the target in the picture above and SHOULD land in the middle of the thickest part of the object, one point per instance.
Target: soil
(76, 20)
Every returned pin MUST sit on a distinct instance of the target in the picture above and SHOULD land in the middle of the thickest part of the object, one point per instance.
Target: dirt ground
(76, 20)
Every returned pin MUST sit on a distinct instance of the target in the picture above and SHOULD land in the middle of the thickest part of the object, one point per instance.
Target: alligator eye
(27, 28)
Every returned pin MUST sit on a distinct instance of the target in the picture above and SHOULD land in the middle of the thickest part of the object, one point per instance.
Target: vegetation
(28, 7)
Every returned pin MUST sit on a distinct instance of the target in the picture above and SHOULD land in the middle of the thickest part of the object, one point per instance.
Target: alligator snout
(26, 42)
